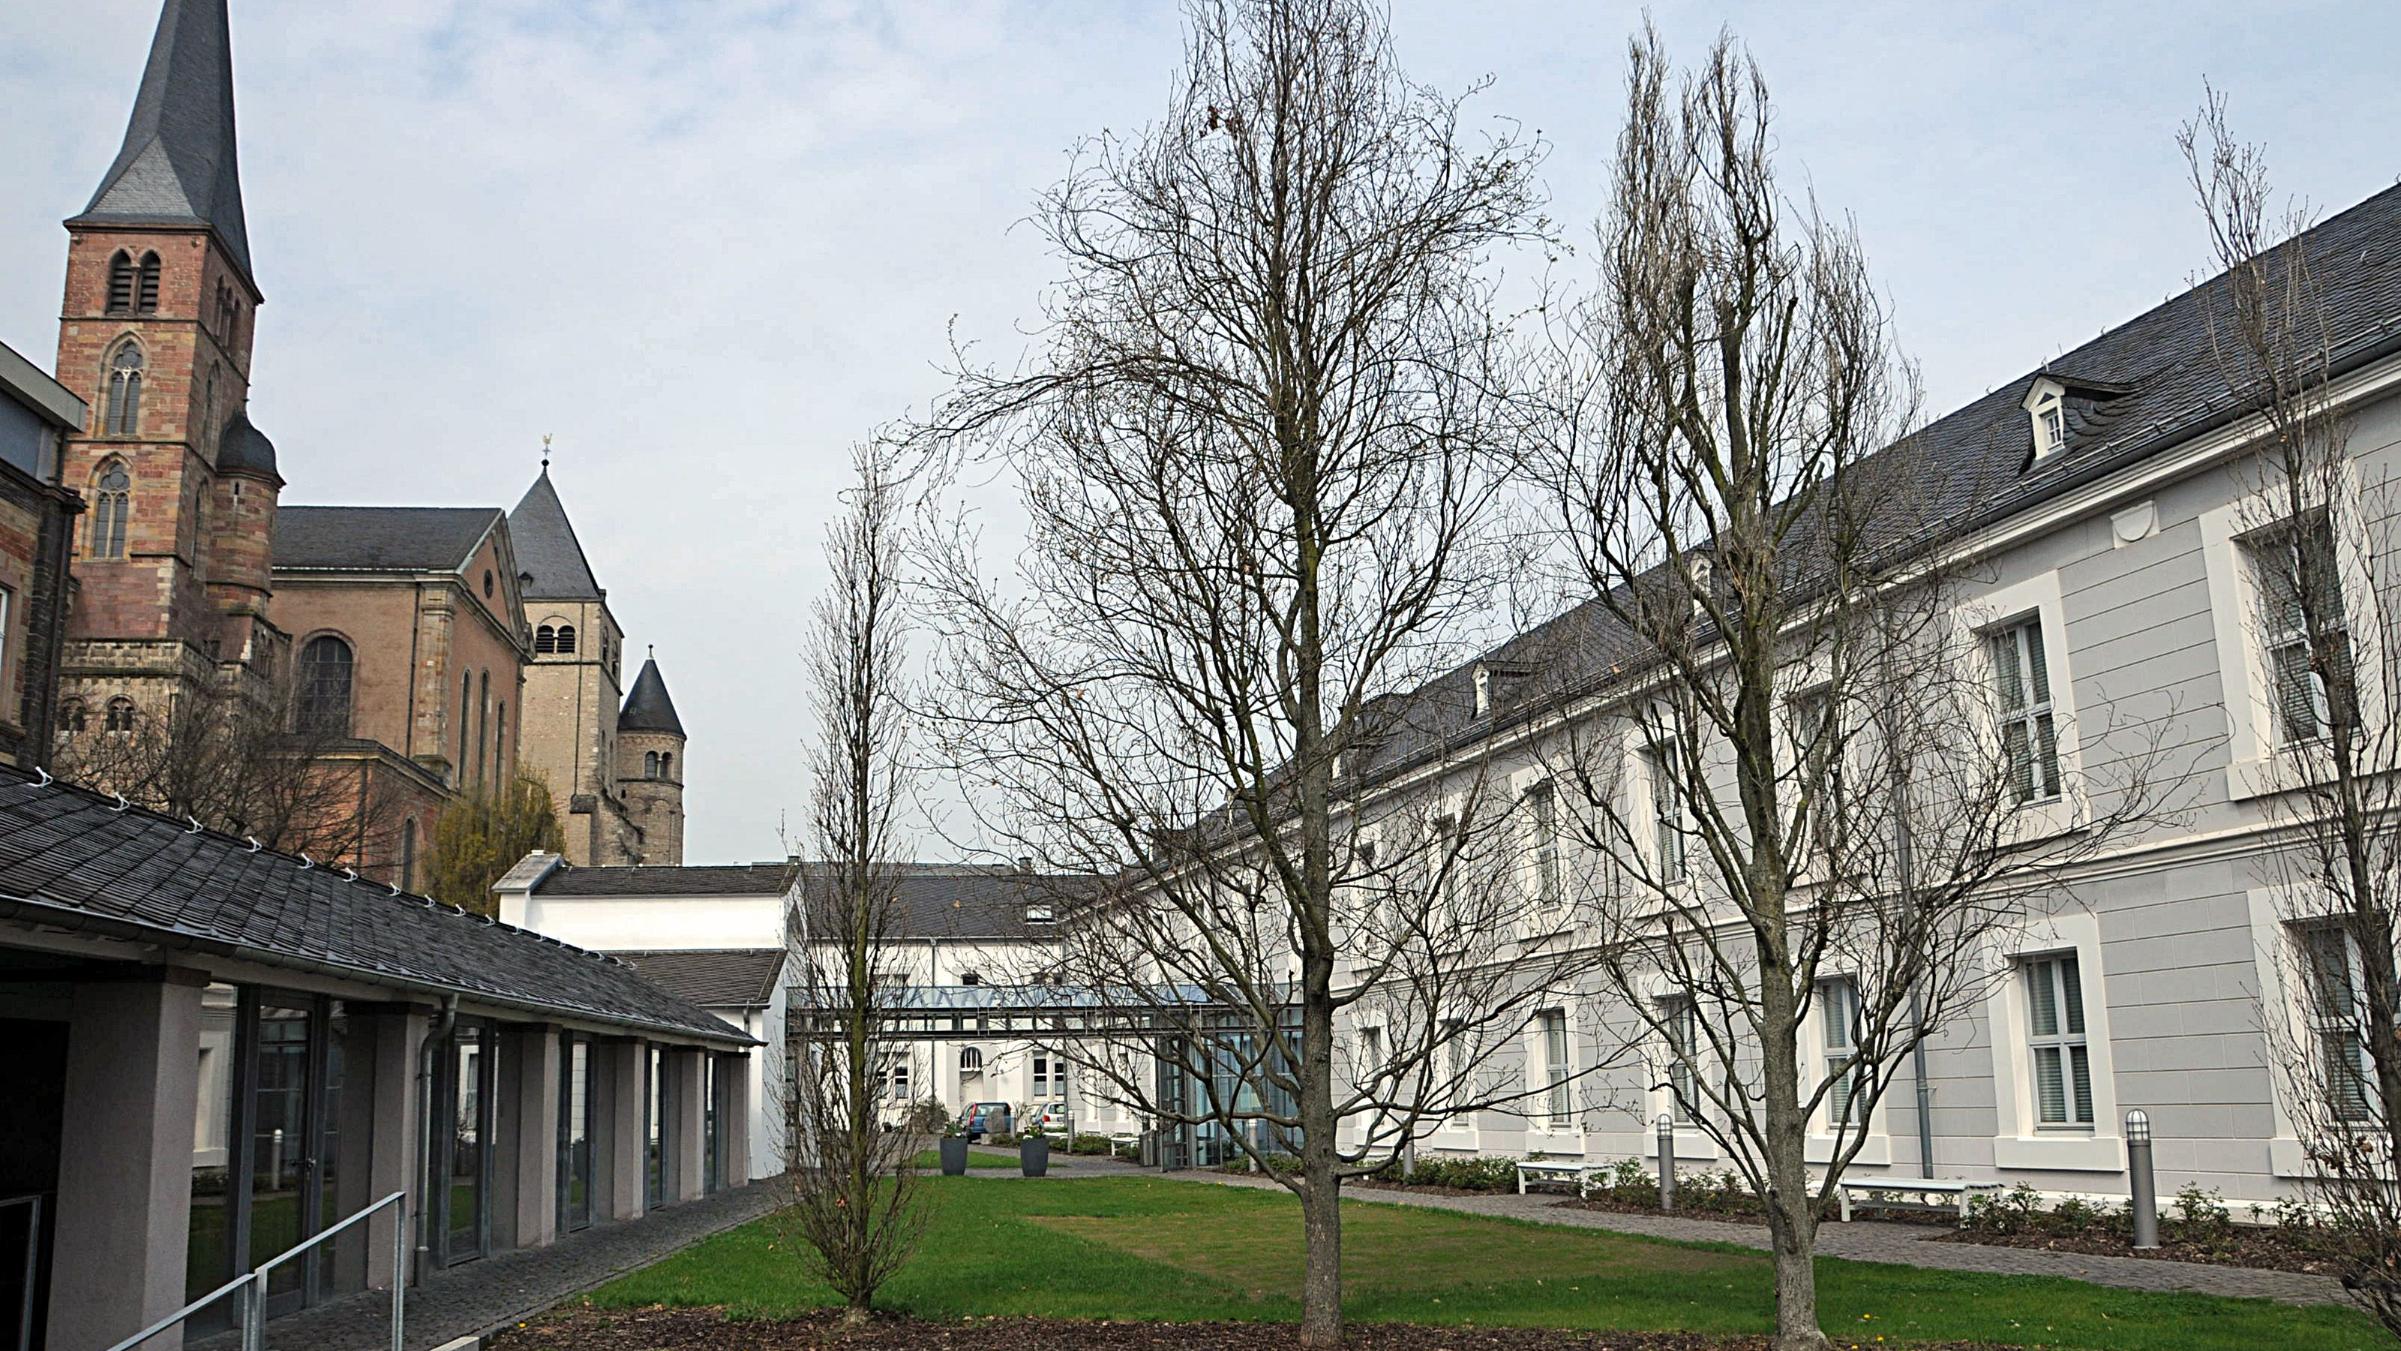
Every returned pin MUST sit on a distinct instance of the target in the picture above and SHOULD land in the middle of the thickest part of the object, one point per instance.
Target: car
(987, 1118)
(1050, 1118)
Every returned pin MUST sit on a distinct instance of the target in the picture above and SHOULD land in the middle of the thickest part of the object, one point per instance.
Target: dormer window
(2046, 404)
(1041, 914)
(1483, 690)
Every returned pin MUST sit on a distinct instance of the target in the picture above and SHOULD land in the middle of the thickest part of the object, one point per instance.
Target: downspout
(1904, 855)
(427, 1182)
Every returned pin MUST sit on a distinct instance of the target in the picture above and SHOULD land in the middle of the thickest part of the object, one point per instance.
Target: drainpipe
(427, 1182)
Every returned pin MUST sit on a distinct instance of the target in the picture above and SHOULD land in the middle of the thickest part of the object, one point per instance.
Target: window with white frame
(2296, 572)
(1446, 860)
(1667, 810)
(2063, 1076)
(2330, 961)
(1455, 1068)
(1680, 1024)
(1371, 1054)
(1542, 807)
(896, 1079)
(1041, 1077)
(2029, 731)
(1838, 1019)
(1557, 1098)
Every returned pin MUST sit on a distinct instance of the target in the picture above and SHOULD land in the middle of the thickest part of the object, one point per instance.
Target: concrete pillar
(382, 1117)
(733, 1073)
(525, 1174)
(621, 1124)
(125, 1175)
(689, 1137)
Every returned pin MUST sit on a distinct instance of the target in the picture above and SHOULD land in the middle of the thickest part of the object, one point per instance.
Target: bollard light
(1667, 1161)
(2142, 1188)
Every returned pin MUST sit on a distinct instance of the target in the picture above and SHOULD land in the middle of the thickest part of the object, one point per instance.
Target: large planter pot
(1033, 1156)
(954, 1156)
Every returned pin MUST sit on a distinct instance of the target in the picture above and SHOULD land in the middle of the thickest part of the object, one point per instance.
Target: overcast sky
(709, 244)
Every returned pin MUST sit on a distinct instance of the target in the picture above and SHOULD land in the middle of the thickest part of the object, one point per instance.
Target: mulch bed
(2264, 1249)
(710, 1330)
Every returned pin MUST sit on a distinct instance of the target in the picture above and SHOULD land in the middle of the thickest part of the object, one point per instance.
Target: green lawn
(1147, 1248)
(930, 1161)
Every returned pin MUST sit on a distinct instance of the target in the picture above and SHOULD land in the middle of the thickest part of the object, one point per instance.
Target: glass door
(466, 1096)
(575, 1135)
(282, 1201)
(711, 1135)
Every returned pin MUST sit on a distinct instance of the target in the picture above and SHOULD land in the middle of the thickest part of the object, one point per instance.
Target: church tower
(172, 560)
(650, 767)
(568, 733)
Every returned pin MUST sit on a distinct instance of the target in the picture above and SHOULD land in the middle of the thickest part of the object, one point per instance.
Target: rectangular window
(1446, 858)
(2331, 962)
(2029, 736)
(1542, 805)
(1456, 1079)
(1838, 1011)
(1556, 1068)
(1667, 810)
(1680, 1020)
(1371, 1054)
(2063, 1077)
(2292, 568)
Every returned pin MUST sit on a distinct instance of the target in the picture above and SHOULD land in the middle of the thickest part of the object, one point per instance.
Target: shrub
(2201, 1215)
(2009, 1212)
(1088, 1144)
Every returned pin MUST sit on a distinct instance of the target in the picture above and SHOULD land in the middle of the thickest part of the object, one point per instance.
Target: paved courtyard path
(1872, 1241)
(480, 1296)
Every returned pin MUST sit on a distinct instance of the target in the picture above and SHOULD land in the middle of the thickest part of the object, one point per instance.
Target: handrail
(253, 1283)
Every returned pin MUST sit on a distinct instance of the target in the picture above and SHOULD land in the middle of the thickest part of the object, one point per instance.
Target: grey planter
(1033, 1155)
(954, 1156)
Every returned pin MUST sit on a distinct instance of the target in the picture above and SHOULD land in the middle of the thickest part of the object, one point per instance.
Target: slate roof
(714, 978)
(380, 539)
(734, 879)
(2143, 387)
(72, 858)
(647, 707)
(177, 166)
(243, 446)
(548, 553)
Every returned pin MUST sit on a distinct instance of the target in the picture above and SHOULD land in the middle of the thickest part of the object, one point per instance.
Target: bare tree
(234, 761)
(1821, 788)
(1261, 454)
(2318, 526)
(855, 1202)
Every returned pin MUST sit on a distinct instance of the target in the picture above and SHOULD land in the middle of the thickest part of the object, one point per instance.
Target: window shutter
(146, 297)
(2050, 1087)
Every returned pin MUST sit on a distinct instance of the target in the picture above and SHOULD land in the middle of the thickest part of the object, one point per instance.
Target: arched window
(145, 299)
(650, 764)
(666, 764)
(125, 392)
(112, 498)
(546, 639)
(566, 638)
(971, 1060)
(500, 737)
(466, 693)
(120, 714)
(71, 716)
(120, 283)
(325, 671)
(483, 728)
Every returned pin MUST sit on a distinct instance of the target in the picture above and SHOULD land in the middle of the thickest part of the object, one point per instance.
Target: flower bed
(2197, 1227)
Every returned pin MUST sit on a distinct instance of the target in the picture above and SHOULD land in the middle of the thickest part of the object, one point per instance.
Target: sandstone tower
(569, 731)
(650, 767)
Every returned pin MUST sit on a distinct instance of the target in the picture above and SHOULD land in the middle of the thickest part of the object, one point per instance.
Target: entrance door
(283, 1203)
(465, 1140)
(30, 1133)
(575, 1136)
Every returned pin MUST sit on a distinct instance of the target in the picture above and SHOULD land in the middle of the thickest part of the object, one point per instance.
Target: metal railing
(32, 1203)
(250, 1288)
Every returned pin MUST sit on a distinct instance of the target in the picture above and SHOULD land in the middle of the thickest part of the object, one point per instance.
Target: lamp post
(1667, 1161)
(2145, 1198)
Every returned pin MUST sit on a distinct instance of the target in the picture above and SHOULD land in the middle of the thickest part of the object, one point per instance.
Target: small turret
(650, 766)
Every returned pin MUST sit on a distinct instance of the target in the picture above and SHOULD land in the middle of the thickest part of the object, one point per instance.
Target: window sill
(1875, 1151)
(2282, 770)
(2065, 1152)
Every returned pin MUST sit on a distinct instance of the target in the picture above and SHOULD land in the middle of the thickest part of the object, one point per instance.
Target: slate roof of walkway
(73, 858)
(716, 978)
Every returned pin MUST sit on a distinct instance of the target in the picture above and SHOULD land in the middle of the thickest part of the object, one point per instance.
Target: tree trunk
(1791, 1211)
(1321, 1188)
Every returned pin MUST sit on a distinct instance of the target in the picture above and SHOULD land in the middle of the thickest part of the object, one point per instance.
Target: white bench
(1129, 1139)
(1578, 1175)
(1912, 1193)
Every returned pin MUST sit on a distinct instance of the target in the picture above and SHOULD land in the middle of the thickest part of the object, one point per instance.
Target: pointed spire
(547, 550)
(177, 166)
(648, 709)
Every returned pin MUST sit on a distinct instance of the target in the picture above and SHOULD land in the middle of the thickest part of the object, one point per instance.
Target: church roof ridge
(178, 166)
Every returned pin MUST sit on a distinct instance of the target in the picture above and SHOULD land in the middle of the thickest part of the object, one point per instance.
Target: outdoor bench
(1578, 1175)
(1913, 1193)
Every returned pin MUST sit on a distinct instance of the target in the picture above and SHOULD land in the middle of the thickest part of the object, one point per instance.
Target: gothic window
(483, 727)
(546, 639)
(120, 283)
(120, 714)
(225, 312)
(125, 391)
(566, 637)
(145, 299)
(466, 692)
(325, 672)
(112, 495)
(71, 716)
